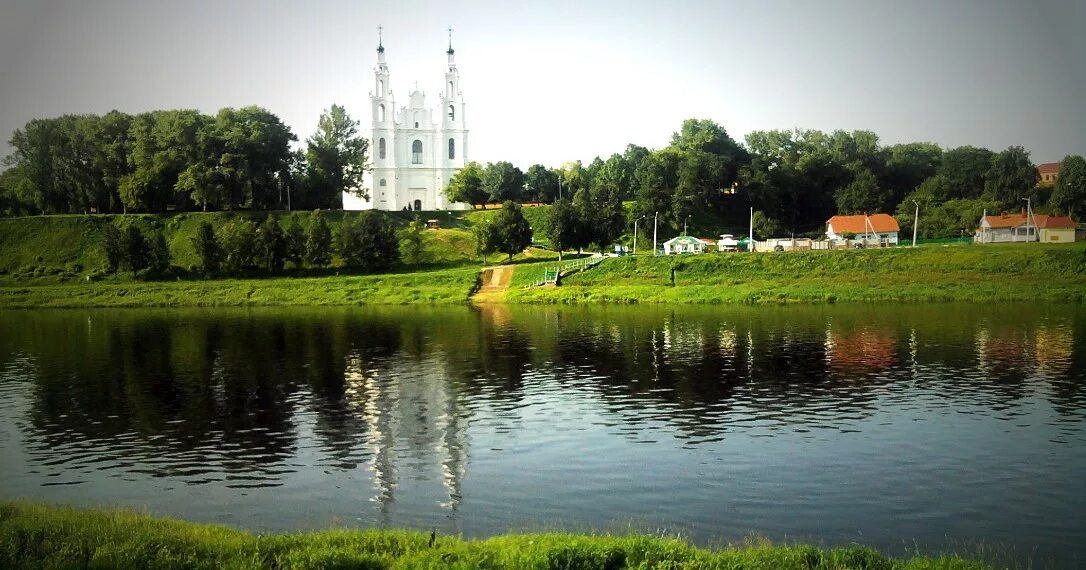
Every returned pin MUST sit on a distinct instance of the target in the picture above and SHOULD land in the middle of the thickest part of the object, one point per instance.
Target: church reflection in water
(245, 399)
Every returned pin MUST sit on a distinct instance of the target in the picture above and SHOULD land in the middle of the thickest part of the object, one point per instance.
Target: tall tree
(862, 195)
(542, 184)
(964, 168)
(336, 156)
(239, 244)
(318, 243)
(207, 248)
(1069, 195)
(412, 243)
(295, 243)
(136, 249)
(158, 259)
(511, 232)
(563, 225)
(467, 186)
(502, 181)
(1011, 178)
(113, 245)
(271, 244)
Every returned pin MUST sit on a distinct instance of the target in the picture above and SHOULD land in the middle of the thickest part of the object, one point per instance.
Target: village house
(1022, 227)
(683, 244)
(873, 229)
(1048, 172)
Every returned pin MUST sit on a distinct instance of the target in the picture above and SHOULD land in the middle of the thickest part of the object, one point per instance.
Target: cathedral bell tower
(454, 135)
(384, 128)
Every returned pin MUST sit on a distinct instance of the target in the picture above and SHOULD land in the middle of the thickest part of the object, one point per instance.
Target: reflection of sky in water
(837, 424)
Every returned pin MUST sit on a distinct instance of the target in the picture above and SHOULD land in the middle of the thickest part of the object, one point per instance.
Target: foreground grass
(38, 536)
(1014, 272)
(431, 287)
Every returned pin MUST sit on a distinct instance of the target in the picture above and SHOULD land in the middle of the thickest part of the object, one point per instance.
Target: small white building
(683, 244)
(1023, 227)
(870, 229)
(727, 242)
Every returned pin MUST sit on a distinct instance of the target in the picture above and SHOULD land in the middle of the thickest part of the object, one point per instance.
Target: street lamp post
(1029, 216)
(654, 216)
(685, 220)
(635, 234)
(916, 221)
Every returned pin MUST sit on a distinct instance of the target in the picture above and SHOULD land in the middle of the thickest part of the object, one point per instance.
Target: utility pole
(1029, 216)
(559, 184)
(635, 234)
(916, 221)
(654, 215)
(685, 221)
(750, 236)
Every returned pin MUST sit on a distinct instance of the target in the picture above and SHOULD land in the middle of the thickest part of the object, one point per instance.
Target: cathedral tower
(414, 156)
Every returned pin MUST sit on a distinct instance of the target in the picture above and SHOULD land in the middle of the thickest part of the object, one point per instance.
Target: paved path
(495, 280)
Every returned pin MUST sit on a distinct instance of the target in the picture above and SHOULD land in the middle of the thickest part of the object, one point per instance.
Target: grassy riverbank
(1013, 272)
(429, 287)
(38, 536)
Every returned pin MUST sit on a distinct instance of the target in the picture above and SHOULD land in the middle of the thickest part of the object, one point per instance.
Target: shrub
(238, 244)
(207, 248)
(318, 243)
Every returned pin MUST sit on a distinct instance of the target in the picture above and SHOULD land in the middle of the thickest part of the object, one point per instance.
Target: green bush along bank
(38, 536)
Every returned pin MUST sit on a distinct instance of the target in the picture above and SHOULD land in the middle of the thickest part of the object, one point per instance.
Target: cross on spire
(450, 52)
(380, 45)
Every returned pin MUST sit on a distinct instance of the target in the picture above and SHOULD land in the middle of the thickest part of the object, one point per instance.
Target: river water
(911, 428)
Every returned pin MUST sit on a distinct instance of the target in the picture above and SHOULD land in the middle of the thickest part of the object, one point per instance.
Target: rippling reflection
(866, 423)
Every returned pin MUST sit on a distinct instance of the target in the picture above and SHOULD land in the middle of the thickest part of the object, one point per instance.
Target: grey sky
(554, 81)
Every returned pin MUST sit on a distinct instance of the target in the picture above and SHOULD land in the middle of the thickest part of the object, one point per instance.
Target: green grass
(1013, 272)
(429, 287)
(39, 536)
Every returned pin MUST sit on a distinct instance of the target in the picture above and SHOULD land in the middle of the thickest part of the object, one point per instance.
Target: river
(907, 428)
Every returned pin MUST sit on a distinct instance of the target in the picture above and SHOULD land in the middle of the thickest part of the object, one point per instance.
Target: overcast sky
(550, 81)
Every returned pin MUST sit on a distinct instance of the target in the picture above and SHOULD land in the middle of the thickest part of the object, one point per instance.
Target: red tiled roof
(1049, 168)
(855, 224)
(1048, 222)
(1044, 221)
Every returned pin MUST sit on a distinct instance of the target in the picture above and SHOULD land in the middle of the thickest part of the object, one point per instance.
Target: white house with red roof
(881, 229)
(1023, 227)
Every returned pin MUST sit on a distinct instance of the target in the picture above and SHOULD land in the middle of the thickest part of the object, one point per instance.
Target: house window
(452, 113)
(452, 149)
(381, 148)
(380, 113)
(416, 152)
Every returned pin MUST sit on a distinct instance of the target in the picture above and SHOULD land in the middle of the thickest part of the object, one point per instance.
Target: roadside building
(1048, 172)
(1021, 227)
(871, 229)
(683, 244)
(727, 242)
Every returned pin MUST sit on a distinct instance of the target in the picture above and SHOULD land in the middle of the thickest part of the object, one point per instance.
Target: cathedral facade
(415, 151)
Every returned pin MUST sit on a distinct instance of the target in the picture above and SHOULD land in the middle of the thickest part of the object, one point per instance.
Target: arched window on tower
(450, 88)
(380, 87)
(416, 152)
(452, 148)
(452, 113)
(381, 113)
(381, 148)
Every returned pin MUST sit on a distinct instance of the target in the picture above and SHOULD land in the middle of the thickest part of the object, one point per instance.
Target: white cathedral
(413, 156)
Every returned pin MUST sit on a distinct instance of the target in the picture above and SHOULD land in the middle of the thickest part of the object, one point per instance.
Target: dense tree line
(179, 160)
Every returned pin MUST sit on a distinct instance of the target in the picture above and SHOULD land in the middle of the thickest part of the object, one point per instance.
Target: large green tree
(562, 227)
(541, 183)
(1011, 178)
(964, 168)
(467, 186)
(336, 156)
(502, 181)
(1069, 195)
